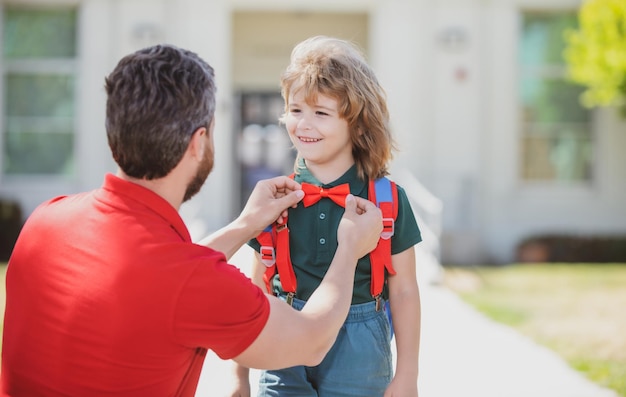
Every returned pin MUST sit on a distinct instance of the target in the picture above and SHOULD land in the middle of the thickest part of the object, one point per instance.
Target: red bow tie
(313, 194)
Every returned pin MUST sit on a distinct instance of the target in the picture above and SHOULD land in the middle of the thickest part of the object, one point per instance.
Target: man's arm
(304, 337)
(268, 203)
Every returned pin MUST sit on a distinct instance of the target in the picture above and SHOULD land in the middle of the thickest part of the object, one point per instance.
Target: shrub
(10, 226)
(596, 53)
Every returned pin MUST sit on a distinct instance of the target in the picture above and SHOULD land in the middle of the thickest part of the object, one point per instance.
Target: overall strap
(384, 193)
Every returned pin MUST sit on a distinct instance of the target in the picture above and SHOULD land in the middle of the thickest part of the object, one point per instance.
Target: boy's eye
(294, 110)
(321, 113)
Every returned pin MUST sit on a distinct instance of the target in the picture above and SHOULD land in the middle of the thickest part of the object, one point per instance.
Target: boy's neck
(327, 173)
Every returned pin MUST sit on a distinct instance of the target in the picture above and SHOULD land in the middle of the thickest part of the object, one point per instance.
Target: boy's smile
(304, 139)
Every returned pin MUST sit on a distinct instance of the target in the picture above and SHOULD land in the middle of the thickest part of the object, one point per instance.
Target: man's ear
(196, 144)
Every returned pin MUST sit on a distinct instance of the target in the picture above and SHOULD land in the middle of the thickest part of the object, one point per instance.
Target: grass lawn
(577, 310)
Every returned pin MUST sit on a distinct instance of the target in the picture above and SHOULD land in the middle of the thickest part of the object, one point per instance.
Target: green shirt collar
(350, 177)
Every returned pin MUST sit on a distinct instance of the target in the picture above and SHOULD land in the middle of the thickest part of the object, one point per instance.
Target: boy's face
(318, 132)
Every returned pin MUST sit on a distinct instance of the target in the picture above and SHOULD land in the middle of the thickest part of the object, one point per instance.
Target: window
(39, 80)
(556, 141)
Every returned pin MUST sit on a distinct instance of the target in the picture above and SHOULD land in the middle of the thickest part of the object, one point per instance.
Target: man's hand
(360, 225)
(269, 202)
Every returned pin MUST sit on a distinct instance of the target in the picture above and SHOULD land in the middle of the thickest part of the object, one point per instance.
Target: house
(480, 106)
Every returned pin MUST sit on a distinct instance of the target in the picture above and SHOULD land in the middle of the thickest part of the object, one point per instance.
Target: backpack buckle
(268, 255)
(389, 227)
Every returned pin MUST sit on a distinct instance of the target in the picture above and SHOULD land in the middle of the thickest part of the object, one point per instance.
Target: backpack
(276, 257)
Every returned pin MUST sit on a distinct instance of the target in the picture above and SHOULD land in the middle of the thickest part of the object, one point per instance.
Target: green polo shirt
(313, 237)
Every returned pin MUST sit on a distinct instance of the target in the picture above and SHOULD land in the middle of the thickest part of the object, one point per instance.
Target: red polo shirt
(107, 295)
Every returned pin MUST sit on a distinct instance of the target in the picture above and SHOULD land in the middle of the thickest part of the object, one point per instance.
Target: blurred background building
(494, 145)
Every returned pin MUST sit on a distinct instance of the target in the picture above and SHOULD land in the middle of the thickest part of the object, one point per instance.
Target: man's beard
(198, 180)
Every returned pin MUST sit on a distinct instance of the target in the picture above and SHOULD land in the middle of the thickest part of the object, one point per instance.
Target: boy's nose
(304, 124)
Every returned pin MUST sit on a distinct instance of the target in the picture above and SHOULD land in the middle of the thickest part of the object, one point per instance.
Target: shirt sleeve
(407, 232)
(254, 243)
(220, 309)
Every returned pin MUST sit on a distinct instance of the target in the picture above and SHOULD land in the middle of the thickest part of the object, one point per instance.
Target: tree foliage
(596, 53)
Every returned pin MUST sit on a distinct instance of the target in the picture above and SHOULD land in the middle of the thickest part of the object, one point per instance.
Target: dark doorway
(263, 149)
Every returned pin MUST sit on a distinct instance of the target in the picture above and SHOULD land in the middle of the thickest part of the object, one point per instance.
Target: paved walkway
(462, 354)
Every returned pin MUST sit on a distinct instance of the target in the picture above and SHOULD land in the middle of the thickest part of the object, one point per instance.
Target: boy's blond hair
(336, 68)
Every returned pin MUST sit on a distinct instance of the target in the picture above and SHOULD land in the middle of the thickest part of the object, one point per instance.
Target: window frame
(544, 72)
(45, 65)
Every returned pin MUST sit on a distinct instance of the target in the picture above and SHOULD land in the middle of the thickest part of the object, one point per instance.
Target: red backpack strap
(283, 261)
(268, 255)
(276, 256)
(384, 193)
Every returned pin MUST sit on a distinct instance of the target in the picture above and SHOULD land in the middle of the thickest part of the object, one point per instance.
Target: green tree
(596, 53)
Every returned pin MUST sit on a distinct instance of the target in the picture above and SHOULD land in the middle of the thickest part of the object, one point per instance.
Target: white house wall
(263, 40)
(450, 70)
(401, 42)
(514, 209)
(97, 52)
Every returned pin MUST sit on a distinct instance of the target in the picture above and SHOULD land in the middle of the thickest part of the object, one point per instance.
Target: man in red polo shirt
(107, 294)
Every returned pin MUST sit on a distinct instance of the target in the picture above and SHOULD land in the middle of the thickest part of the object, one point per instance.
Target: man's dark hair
(157, 98)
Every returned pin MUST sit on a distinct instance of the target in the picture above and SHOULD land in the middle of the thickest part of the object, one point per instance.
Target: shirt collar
(144, 197)
(350, 177)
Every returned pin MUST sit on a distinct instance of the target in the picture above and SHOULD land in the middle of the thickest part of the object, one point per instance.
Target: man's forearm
(330, 302)
(266, 204)
(228, 239)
